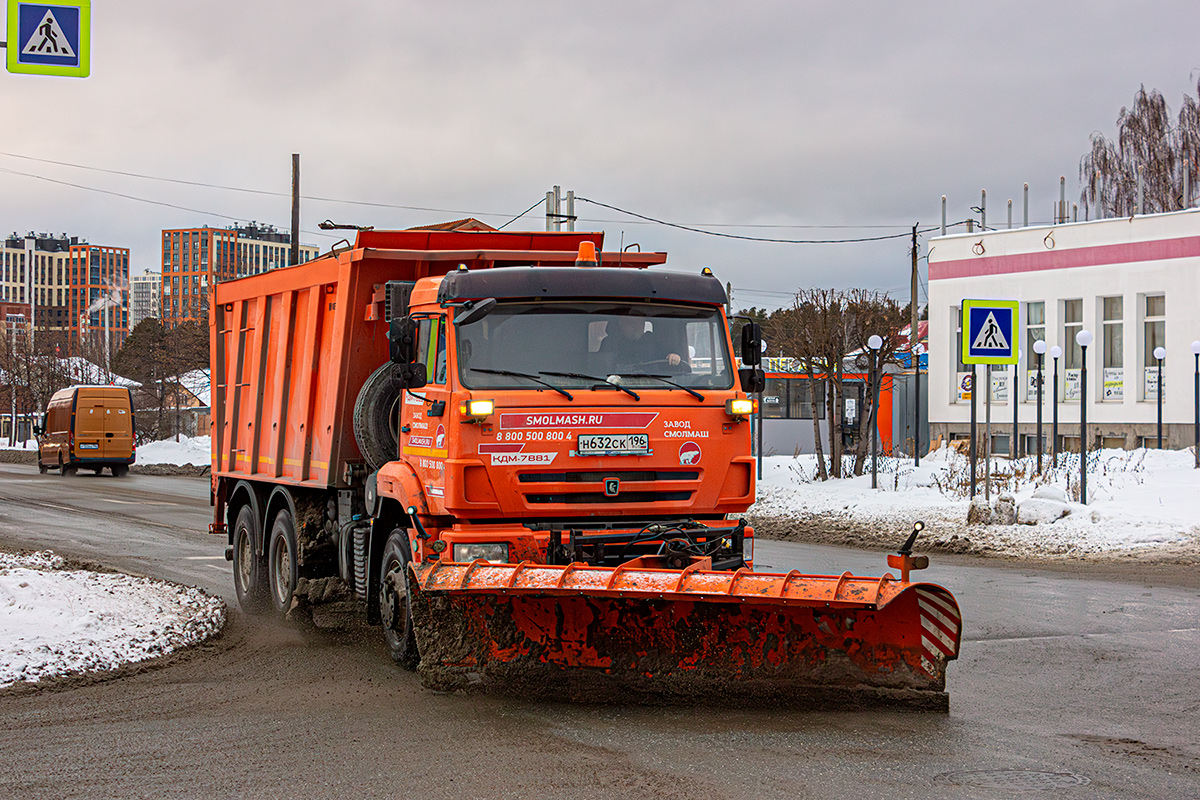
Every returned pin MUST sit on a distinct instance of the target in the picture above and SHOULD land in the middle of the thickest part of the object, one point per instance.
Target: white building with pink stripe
(1133, 283)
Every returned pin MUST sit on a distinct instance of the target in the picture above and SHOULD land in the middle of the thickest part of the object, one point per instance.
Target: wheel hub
(389, 599)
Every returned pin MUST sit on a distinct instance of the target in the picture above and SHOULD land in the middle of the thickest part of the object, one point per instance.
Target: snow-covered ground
(1141, 499)
(196, 451)
(56, 621)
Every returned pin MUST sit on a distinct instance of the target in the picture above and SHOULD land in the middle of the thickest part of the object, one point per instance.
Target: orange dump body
(640, 632)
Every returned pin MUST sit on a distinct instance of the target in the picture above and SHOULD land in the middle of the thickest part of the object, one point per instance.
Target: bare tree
(876, 314)
(1149, 146)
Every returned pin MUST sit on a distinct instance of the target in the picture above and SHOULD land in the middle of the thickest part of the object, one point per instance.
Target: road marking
(204, 558)
(136, 502)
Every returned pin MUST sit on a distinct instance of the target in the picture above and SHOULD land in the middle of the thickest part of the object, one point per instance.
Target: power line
(698, 227)
(747, 238)
(245, 190)
(134, 197)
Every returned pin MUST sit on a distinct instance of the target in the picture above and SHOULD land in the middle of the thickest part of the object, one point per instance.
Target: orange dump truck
(526, 460)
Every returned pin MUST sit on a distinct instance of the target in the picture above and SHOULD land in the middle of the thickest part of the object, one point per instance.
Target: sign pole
(987, 436)
(989, 335)
(974, 426)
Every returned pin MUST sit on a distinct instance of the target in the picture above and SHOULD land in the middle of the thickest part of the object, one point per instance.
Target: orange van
(89, 427)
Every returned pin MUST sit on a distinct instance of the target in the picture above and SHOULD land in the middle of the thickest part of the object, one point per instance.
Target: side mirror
(751, 344)
(411, 376)
(752, 379)
(476, 312)
(402, 340)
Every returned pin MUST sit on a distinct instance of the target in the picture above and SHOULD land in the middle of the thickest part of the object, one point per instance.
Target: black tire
(66, 469)
(120, 470)
(377, 416)
(395, 611)
(41, 466)
(249, 569)
(282, 566)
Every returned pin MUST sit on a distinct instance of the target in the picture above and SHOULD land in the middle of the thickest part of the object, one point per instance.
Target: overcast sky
(806, 115)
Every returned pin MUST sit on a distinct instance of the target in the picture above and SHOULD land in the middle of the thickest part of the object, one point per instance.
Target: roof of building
(199, 383)
(468, 224)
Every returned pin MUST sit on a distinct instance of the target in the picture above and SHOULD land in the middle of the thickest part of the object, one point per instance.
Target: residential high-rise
(63, 280)
(193, 259)
(145, 297)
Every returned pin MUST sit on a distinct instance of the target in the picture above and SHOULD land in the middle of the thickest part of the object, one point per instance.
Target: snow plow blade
(637, 633)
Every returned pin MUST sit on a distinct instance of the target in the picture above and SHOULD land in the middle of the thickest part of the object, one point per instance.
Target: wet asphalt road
(1062, 680)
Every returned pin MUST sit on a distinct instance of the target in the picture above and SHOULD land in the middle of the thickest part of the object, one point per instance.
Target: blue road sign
(989, 331)
(49, 38)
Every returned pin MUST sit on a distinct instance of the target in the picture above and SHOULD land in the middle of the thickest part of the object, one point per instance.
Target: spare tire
(377, 416)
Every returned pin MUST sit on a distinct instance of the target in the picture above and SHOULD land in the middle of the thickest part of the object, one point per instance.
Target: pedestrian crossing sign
(989, 331)
(50, 38)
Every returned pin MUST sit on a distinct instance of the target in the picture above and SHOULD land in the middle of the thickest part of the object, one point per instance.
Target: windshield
(594, 341)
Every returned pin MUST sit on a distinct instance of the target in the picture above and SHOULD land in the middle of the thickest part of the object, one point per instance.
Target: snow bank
(196, 451)
(1137, 499)
(55, 621)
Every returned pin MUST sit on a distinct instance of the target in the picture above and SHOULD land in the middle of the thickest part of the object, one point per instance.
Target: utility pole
(294, 252)
(914, 352)
(554, 209)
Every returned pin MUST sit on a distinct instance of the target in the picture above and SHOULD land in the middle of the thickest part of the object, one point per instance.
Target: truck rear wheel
(281, 562)
(249, 575)
(395, 611)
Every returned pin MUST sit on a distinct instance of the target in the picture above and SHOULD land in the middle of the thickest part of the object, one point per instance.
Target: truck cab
(572, 414)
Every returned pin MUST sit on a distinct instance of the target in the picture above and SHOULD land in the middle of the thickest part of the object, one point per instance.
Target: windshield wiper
(604, 381)
(527, 376)
(665, 379)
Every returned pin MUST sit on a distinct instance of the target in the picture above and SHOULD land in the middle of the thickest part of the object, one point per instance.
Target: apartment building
(145, 297)
(71, 287)
(193, 259)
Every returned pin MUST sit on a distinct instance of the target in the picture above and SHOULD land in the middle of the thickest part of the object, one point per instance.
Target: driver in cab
(628, 343)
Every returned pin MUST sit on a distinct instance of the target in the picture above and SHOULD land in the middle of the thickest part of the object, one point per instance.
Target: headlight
(748, 548)
(739, 408)
(488, 551)
(478, 409)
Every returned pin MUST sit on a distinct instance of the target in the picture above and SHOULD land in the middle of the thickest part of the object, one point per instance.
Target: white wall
(1157, 254)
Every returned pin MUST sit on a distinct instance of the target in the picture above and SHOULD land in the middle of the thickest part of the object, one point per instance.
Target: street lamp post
(1159, 354)
(1196, 401)
(1039, 348)
(1014, 449)
(875, 342)
(917, 351)
(1055, 353)
(1083, 339)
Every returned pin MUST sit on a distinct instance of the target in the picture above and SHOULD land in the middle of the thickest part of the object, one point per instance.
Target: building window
(1154, 334)
(962, 372)
(1113, 342)
(1035, 331)
(1072, 352)
(788, 398)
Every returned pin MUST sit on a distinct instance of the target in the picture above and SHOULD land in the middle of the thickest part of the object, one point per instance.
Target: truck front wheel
(281, 562)
(394, 609)
(249, 578)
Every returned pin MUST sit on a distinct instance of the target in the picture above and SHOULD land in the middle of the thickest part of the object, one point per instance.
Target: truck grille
(598, 477)
(576, 498)
(634, 488)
